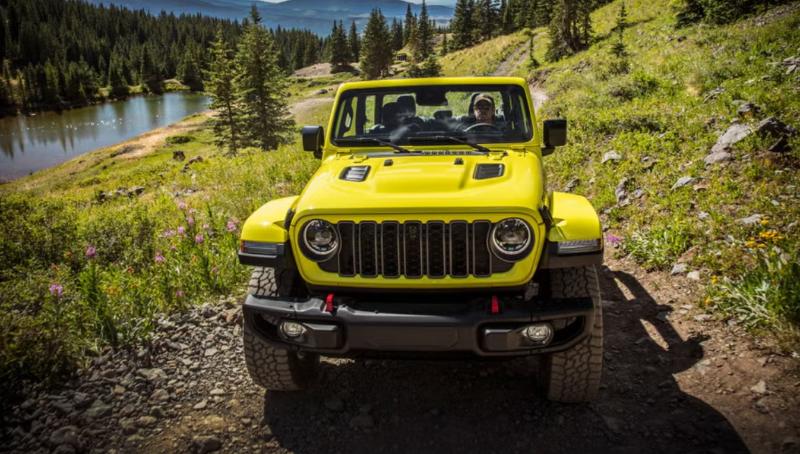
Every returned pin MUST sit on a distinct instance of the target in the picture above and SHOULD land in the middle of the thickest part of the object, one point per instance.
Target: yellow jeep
(427, 231)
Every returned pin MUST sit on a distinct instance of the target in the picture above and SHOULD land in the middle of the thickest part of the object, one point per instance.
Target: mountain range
(315, 15)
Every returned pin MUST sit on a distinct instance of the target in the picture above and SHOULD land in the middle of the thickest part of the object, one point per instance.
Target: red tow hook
(329, 303)
(495, 307)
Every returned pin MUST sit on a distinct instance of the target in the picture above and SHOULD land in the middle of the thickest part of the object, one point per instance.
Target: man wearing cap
(483, 109)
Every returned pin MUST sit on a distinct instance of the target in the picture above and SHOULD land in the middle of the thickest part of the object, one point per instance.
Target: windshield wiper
(474, 145)
(397, 148)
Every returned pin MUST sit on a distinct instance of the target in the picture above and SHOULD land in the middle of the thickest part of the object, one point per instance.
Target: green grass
(659, 112)
(483, 59)
(172, 246)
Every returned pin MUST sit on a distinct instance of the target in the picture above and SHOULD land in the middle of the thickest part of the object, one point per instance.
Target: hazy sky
(430, 2)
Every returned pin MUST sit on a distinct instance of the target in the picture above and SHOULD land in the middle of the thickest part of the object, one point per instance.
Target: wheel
(275, 368)
(574, 375)
(481, 127)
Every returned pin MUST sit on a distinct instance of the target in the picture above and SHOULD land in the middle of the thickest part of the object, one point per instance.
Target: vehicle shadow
(459, 406)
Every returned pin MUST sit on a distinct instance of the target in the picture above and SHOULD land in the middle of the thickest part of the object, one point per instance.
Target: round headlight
(320, 237)
(510, 238)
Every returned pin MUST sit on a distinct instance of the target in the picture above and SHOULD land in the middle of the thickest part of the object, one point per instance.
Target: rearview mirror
(554, 135)
(313, 139)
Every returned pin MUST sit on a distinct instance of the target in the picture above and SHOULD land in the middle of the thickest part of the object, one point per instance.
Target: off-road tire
(574, 375)
(275, 368)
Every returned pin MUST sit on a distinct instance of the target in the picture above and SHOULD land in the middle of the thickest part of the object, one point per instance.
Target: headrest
(407, 104)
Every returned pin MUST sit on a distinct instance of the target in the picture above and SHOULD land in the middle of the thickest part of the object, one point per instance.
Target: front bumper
(406, 325)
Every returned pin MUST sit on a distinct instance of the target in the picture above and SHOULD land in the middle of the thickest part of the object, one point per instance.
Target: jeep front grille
(414, 249)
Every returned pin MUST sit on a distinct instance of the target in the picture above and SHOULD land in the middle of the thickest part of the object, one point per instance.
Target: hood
(425, 182)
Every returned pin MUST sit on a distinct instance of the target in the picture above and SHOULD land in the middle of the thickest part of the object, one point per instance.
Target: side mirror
(313, 139)
(554, 135)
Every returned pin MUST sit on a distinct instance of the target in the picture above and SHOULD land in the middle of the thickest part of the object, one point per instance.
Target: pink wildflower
(231, 226)
(179, 294)
(56, 290)
(159, 257)
(190, 221)
(181, 230)
(91, 252)
(181, 205)
(199, 238)
(613, 239)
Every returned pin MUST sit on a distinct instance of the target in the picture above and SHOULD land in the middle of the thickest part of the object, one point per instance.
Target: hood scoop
(486, 171)
(354, 173)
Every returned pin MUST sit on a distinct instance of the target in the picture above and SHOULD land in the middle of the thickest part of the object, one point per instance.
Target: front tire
(574, 375)
(275, 368)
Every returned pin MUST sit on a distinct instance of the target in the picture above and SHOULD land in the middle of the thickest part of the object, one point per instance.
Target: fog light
(292, 330)
(539, 333)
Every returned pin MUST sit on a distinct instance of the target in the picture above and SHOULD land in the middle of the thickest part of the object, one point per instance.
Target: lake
(49, 138)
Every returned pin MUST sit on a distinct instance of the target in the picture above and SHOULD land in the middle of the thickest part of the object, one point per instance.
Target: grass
(82, 270)
(483, 59)
(659, 117)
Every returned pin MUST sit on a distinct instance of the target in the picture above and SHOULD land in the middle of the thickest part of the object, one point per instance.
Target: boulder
(178, 155)
(611, 156)
(683, 181)
(717, 157)
(735, 133)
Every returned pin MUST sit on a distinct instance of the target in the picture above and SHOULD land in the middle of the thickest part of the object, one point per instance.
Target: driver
(484, 109)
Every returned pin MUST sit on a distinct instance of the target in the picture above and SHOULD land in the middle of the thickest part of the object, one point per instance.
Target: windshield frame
(380, 91)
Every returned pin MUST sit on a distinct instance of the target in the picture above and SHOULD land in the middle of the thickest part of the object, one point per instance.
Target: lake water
(46, 139)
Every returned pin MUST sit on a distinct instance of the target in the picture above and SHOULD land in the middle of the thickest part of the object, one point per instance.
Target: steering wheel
(482, 126)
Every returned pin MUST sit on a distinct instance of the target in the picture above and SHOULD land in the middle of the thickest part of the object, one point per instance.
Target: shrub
(178, 139)
(660, 246)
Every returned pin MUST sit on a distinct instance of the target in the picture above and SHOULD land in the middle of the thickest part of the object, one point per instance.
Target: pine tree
(445, 49)
(485, 19)
(189, 74)
(376, 56)
(220, 75)
(570, 28)
(619, 62)
(423, 45)
(461, 25)
(150, 73)
(118, 86)
(261, 89)
(397, 35)
(353, 42)
(410, 25)
(339, 50)
(542, 13)
(533, 63)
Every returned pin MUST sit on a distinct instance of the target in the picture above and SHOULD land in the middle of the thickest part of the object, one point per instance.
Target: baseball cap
(484, 97)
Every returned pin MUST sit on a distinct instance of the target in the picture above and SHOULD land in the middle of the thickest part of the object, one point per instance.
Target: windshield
(433, 115)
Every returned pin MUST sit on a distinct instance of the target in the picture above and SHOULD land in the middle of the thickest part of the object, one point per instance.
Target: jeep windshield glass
(435, 114)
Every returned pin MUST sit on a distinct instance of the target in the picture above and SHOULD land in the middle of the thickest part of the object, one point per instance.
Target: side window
(344, 123)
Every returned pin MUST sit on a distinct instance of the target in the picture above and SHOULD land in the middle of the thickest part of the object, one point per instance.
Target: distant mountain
(315, 15)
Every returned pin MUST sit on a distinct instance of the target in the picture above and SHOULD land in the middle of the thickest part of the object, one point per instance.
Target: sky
(430, 2)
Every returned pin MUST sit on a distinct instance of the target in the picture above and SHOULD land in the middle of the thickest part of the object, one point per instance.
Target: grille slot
(414, 249)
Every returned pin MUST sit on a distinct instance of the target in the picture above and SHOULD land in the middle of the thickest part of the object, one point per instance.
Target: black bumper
(359, 326)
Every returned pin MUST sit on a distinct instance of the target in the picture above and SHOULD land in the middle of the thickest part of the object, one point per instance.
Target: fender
(264, 238)
(573, 220)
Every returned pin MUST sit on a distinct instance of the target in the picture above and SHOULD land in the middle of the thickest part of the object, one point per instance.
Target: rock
(118, 390)
(611, 156)
(683, 181)
(160, 395)
(200, 405)
(613, 424)
(363, 421)
(678, 268)
(98, 410)
(67, 435)
(152, 375)
(217, 392)
(717, 157)
(208, 311)
(572, 184)
(334, 404)
(748, 109)
(713, 94)
(81, 400)
(63, 408)
(753, 219)
(205, 443)
(210, 352)
(702, 318)
(735, 133)
(771, 126)
(146, 421)
(178, 155)
(781, 146)
(195, 159)
(620, 191)
(790, 444)
(136, 190)
(703, 215)
(693, 275)
(321, 91)
(759, 388)
(128, 426)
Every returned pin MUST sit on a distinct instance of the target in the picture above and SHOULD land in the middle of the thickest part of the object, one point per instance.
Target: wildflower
(192, 211)
(181, 230)
(159, 258)
(169, 233)
(181, 205)
(190, 221)
(714, 280)
(231, 226)
(206, 227)
(91, 252)
(764, 221)
(179, 294)
(613, 239)
(199, 238)
(214, 270)
(56, 290)
(172, 247)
